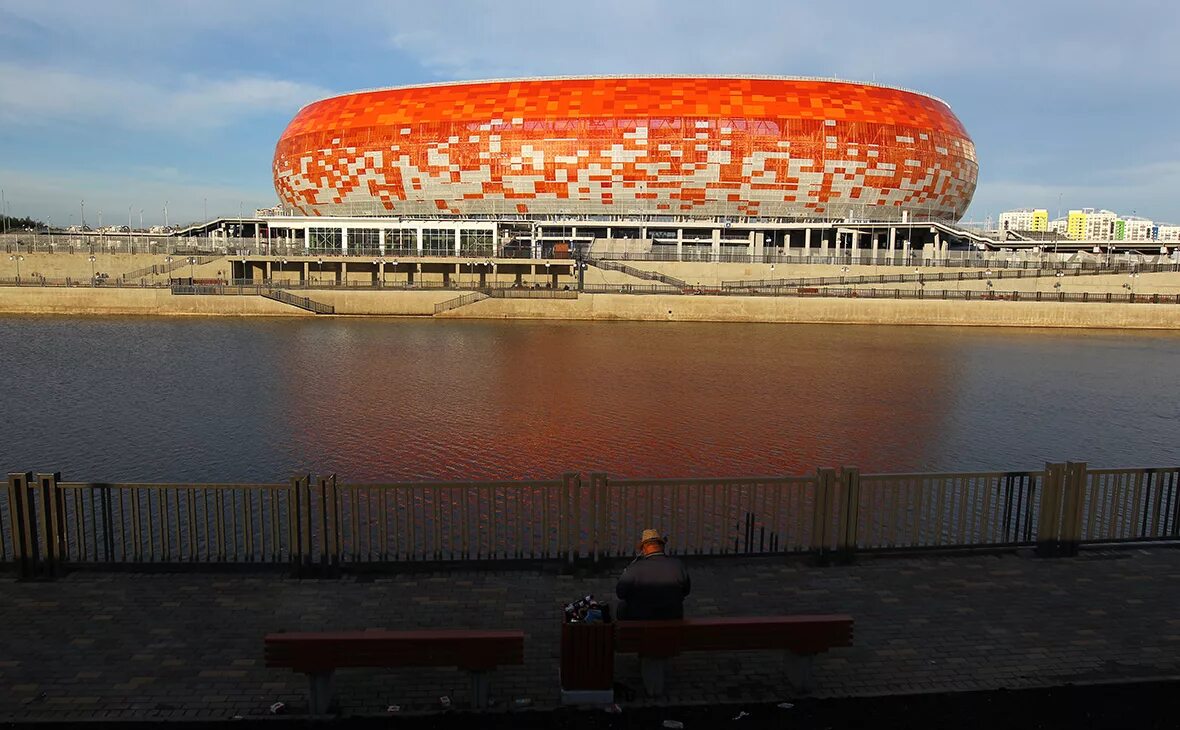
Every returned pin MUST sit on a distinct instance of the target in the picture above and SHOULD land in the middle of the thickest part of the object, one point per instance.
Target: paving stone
(189, 646)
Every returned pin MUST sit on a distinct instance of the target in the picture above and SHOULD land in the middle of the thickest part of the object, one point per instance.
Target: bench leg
(799, 670)
(480, 683)
(652, 671)
(319, 693)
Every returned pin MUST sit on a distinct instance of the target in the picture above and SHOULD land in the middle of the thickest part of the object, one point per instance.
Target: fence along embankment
(48, 525)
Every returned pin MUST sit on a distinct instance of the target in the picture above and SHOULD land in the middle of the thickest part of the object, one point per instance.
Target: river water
(372, 399)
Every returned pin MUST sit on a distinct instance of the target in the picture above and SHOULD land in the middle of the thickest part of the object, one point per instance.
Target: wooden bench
(318, 655)
(799, 637)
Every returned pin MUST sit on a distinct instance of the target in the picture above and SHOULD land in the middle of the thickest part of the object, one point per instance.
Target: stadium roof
(736, 77)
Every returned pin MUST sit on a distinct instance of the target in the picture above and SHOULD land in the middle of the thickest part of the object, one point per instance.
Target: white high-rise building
(1137, 229)
(1169, 234)
(1024, 219)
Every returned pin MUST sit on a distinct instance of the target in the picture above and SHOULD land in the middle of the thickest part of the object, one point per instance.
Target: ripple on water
(391, 399)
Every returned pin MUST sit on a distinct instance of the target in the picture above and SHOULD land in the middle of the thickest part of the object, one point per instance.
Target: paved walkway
(186, 646)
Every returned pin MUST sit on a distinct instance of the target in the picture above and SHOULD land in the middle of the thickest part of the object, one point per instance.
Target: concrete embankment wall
(387, 303)
(650, 308)
(830, 310)
(100, 300)
(78, 266)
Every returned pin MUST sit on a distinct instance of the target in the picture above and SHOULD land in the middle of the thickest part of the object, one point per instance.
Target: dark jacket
(653, 587)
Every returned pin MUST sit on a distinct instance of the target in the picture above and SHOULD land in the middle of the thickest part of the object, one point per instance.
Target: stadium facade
(644, 158)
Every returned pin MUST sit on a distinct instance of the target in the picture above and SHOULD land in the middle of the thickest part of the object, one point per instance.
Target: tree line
(10, 223)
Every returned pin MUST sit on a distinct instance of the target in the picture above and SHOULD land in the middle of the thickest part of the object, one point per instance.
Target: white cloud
(897, 43)
(34, 95)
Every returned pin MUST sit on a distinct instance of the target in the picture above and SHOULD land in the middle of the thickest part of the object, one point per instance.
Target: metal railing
(864, 257)
(459, 301)
(261, 287)
(924, 277)
(305, 303)
(47, 524)
(946, 510)
(639, 273)
(989, 294)
(533, 293)
(167, 267)
(631, 289)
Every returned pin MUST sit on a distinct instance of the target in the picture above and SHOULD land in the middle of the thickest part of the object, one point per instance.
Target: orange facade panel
(715, 146)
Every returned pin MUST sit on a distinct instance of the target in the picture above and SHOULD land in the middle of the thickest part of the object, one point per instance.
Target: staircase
(459, 301)
(639, 273)
(304, 303)
(161, 269)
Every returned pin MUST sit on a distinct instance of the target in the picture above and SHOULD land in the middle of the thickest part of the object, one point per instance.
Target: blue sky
(131, 104)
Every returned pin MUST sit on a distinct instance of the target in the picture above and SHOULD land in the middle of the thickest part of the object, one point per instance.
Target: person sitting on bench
(654, 585)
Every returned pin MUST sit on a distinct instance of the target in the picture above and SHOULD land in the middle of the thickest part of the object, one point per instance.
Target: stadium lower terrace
(672, 240)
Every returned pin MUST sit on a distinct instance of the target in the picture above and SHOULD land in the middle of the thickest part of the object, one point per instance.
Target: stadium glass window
(438, 242)
(364, 241)
(475, 243)
(323, 240)
(401, 240)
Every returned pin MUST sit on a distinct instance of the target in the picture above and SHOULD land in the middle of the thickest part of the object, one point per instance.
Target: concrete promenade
(120, 646)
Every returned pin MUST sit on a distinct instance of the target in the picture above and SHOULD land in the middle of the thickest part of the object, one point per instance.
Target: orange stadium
(741, 148)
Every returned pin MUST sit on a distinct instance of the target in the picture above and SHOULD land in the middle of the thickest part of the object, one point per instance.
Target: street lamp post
(91, 269)
(192, 261)
(17, 258)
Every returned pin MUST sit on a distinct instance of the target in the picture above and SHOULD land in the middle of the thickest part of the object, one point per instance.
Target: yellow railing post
(600, 499)
(53, 517)
(821, 516)
(328, 496)
(572, 489)
(849, 512)
(1049, 519)
(299, 524)
(1073, 507)
(24, 524)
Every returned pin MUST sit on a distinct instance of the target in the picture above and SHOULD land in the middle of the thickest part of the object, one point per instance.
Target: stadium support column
(418, 236)
(716, 244)
(874, 246)
(806, 243)
(679, 244)
(892, 240)
(853, 246)
(754, 247)
(457, 237)
(344, 240)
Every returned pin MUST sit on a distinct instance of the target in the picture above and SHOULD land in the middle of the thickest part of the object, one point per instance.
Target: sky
(131, 106)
